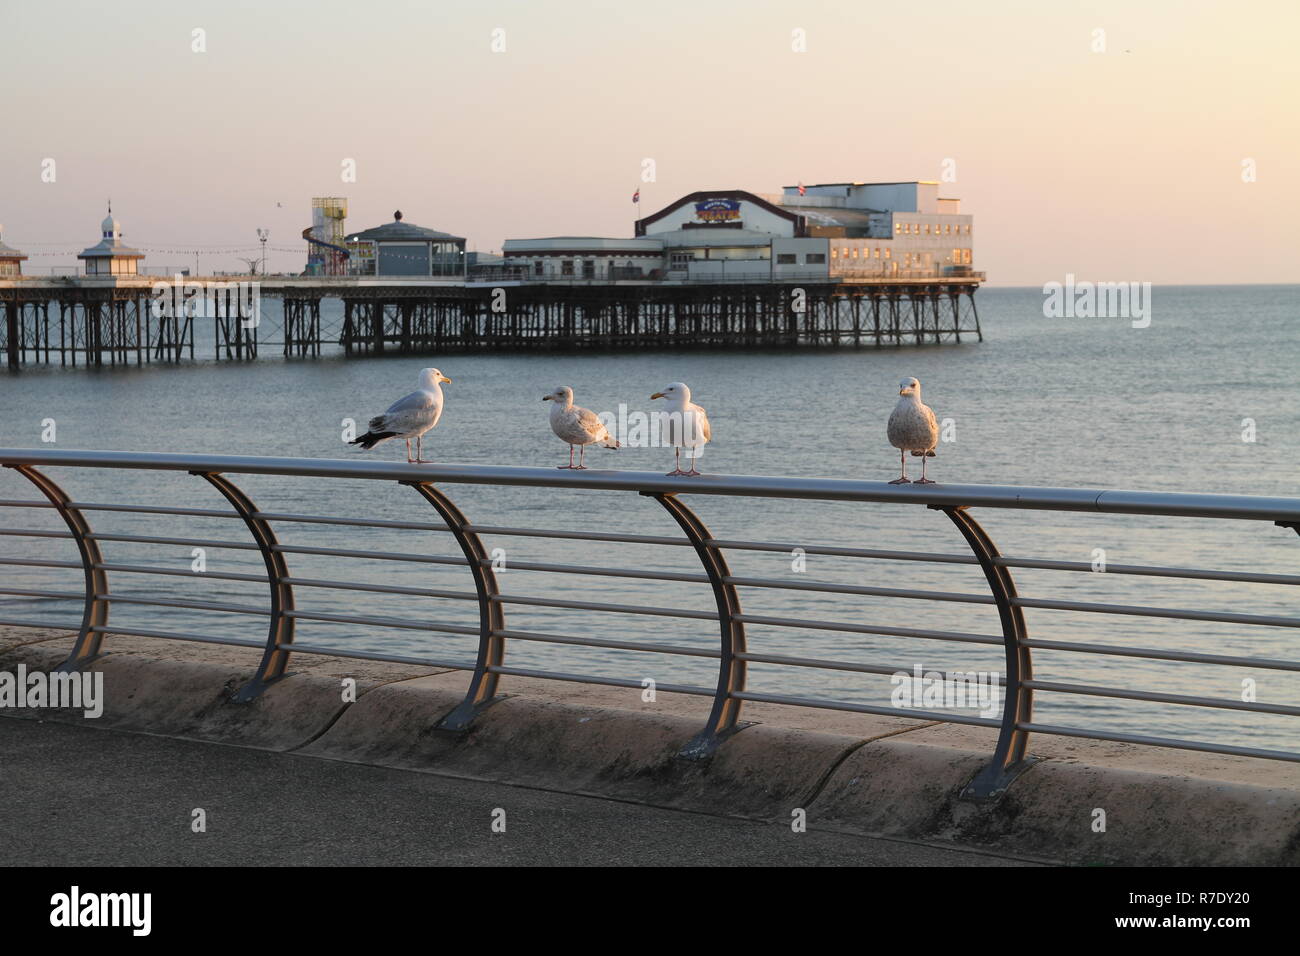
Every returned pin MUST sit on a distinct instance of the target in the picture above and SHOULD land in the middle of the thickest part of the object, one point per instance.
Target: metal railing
(729, 695)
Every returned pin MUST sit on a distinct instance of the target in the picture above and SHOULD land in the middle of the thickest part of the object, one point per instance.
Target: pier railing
(729, 695)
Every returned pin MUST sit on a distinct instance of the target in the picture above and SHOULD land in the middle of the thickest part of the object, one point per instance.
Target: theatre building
(831, 231)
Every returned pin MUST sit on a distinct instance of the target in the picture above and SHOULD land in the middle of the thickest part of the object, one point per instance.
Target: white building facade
(830, 231)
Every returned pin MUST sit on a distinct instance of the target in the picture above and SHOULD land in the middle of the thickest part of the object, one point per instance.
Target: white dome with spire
(109, 228)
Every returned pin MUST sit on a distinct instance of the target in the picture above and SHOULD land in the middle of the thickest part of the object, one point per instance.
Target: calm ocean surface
(1080, 402)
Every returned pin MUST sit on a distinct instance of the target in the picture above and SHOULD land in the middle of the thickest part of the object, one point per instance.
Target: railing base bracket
(75, 665)
(991, 782)
(705, 744)
(460, 719)
(249, 692)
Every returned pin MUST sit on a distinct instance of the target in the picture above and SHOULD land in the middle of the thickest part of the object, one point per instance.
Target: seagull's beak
(657, 395)
(547, 398)
(445, 379)
(902, 391)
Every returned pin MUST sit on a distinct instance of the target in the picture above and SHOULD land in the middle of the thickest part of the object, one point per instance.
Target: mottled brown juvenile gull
(912, 428)
(408, 417)
(576, 426)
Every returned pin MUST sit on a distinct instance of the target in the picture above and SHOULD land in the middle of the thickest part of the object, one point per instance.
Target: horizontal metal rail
(731, 657)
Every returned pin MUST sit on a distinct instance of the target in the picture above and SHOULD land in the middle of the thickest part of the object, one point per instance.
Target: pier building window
(835, 252)
(815, 258)
(589, 268)
(786, 258)
(898, 227)
(889, 253)
(566, 267)
(681, 260)
(875, 253)
(538, 268)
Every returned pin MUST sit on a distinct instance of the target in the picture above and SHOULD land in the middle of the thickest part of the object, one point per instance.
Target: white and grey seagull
(912, 428)
(575, 425)
(687, 425)
(409, 417)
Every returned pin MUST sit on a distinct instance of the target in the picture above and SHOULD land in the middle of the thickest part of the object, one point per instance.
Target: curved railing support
(724, 717)
(280, 633)
(491, 645)
(1009, 759)
(95, 615)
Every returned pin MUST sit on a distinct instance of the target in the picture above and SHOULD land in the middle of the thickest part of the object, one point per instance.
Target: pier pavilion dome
(11, 260)
(110, 256)
(400, 248)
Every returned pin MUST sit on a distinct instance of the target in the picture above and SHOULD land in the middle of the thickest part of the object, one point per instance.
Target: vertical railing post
(275, 658)
(724, 718)
(1009, 759)
(491, 645)
(94, 617)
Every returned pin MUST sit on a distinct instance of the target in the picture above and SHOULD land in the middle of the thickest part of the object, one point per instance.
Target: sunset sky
(1122, 165)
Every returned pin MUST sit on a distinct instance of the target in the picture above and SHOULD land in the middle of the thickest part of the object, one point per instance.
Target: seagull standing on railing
(912, 428)
(688, 425)
(576, 426)
(409, 417)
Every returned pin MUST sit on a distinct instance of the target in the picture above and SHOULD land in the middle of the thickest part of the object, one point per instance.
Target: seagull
(912, 428)
(576, 425)
(408, 417)
(694, 431)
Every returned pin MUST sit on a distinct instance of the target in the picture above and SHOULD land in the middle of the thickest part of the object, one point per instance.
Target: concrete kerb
(189, 694)
(887, 776)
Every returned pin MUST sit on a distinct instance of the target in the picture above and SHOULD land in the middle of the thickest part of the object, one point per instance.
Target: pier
(102, 320)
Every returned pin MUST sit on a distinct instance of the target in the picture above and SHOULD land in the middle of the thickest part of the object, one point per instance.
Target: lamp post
(263, 235)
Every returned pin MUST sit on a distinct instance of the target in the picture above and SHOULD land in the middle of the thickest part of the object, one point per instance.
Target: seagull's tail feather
(610, 443)
(371, 439)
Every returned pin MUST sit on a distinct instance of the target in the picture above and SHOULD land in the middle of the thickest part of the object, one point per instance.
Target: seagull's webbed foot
(901, 481)
(924, 481)
(693, 473)
(676, 471)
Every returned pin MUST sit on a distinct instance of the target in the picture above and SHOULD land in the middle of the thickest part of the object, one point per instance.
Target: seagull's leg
(694, 462)
(902, 461)
(582, 457)
(570, 464)
(677, 461)
(924, 480)
(409, 459)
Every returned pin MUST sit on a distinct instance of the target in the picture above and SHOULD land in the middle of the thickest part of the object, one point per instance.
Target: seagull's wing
(590, 423)
(702, 419)
(418, 411)
(411, 403)
(928, 413)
